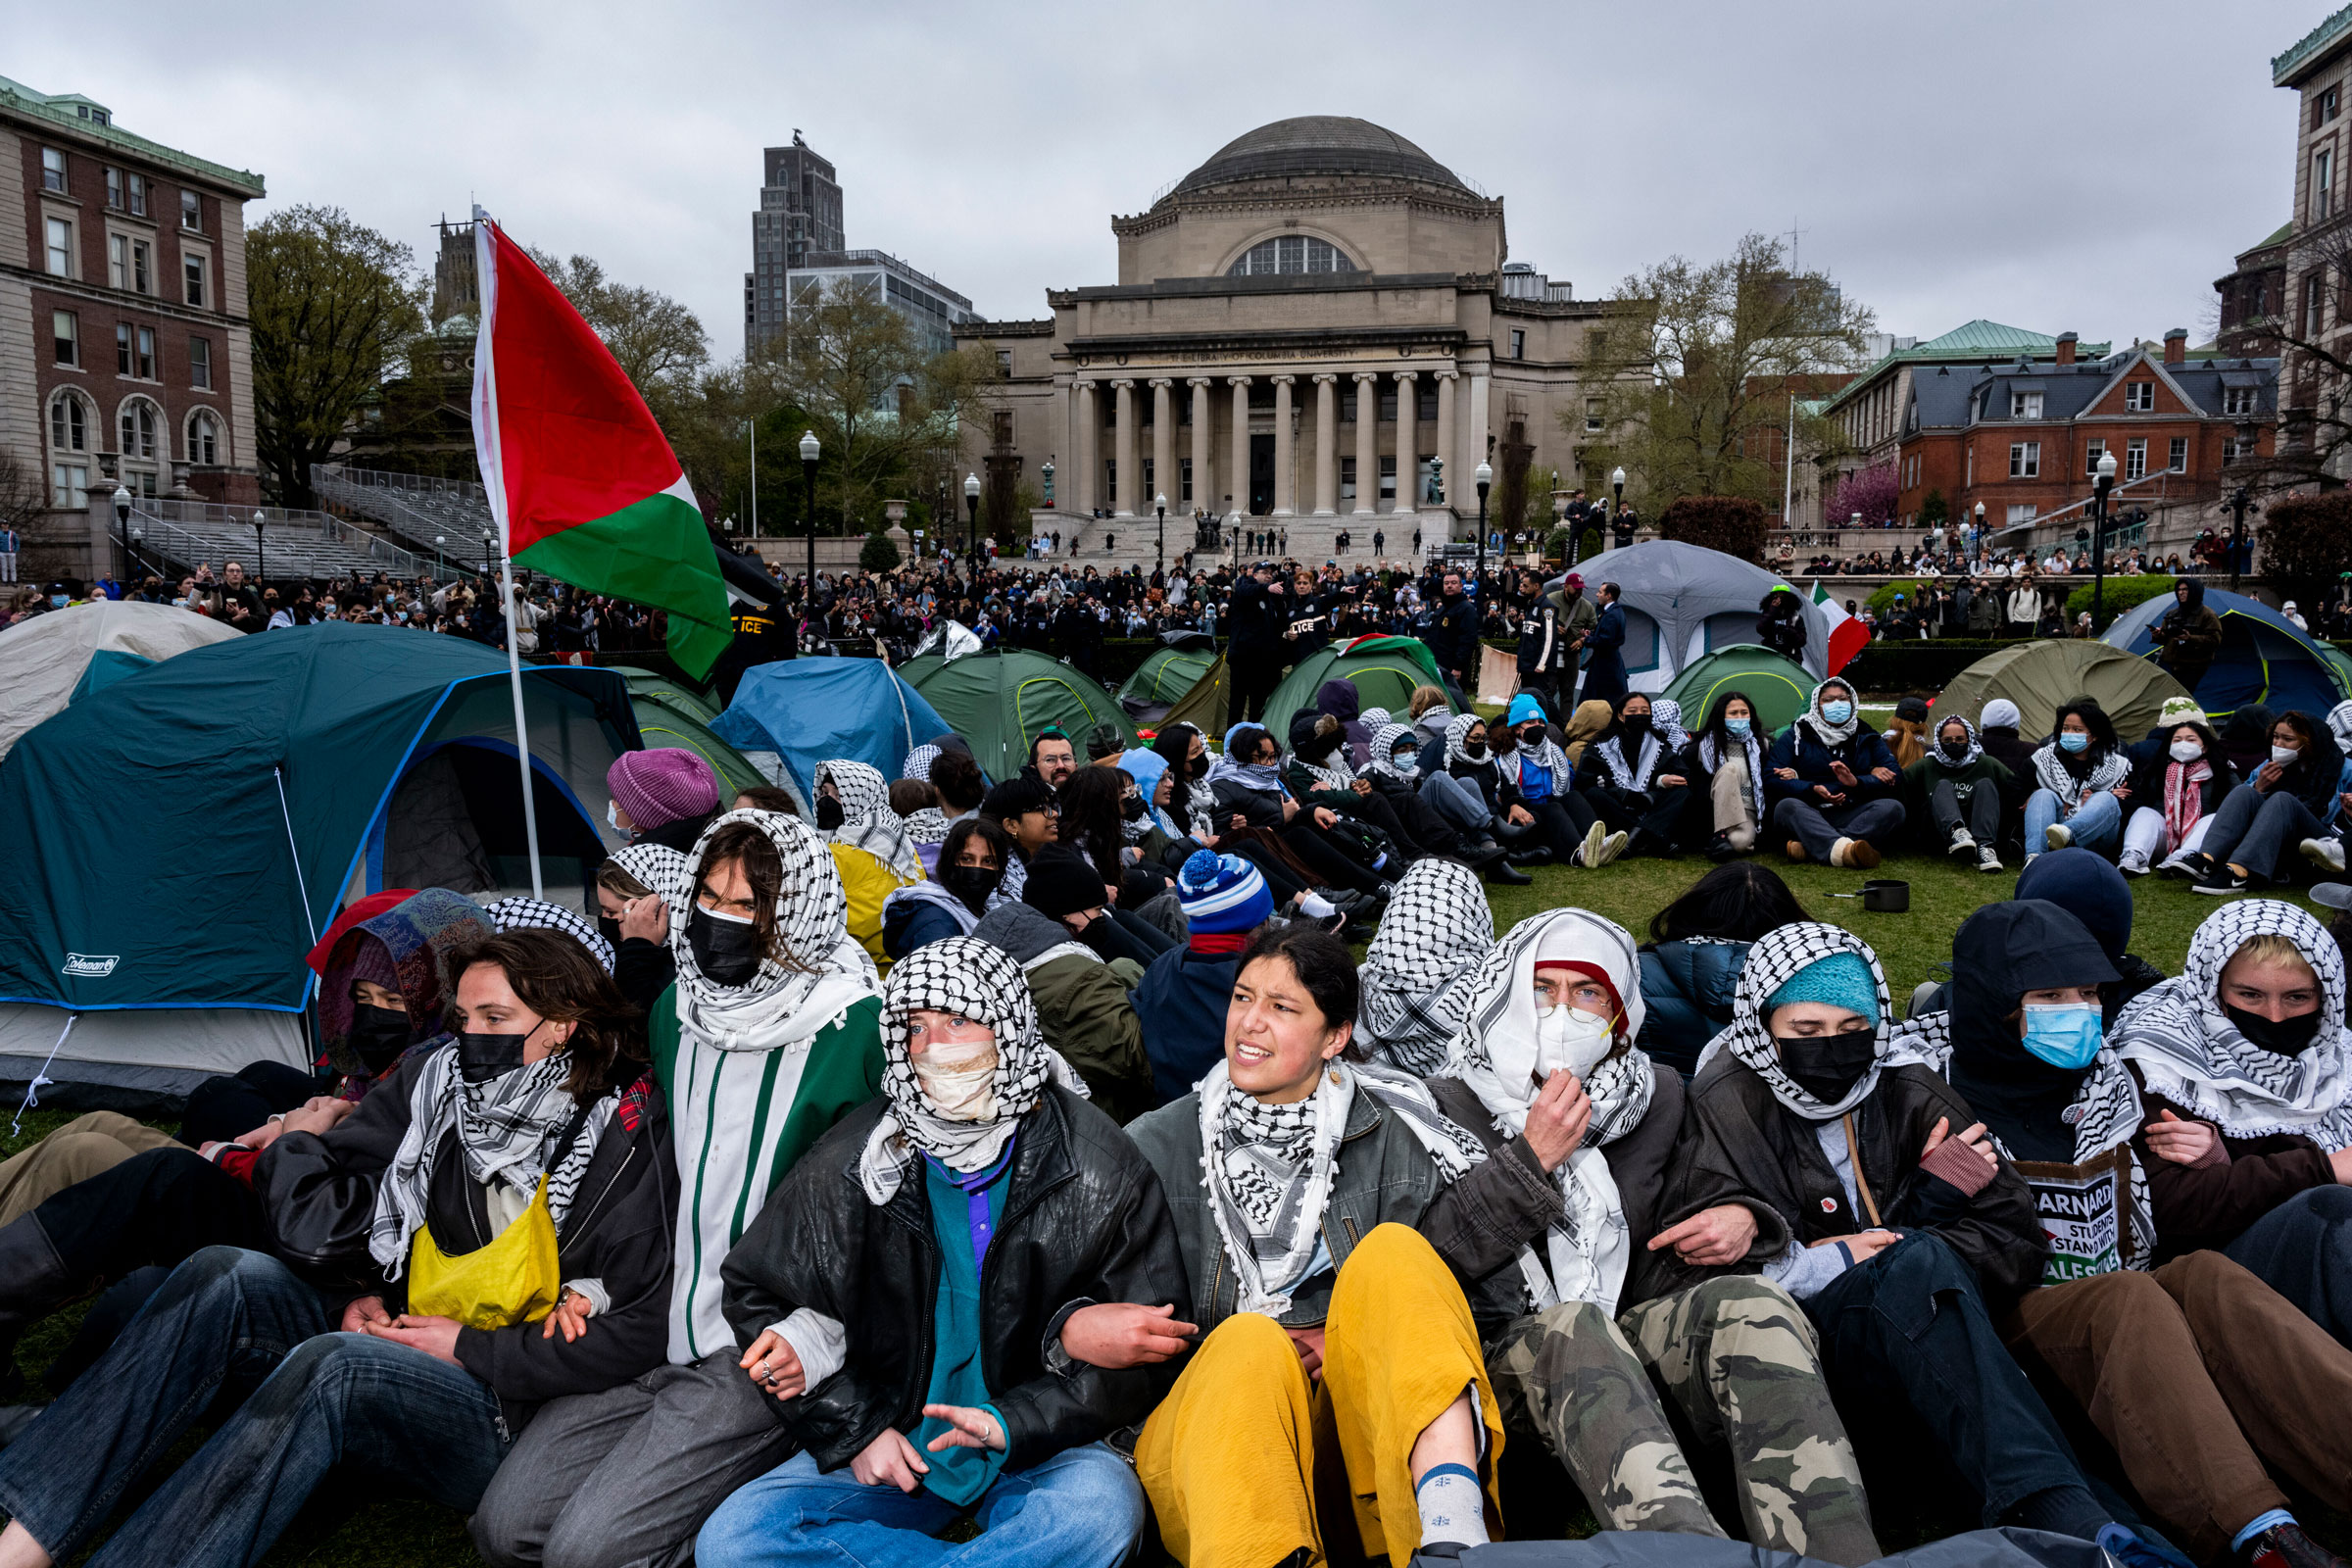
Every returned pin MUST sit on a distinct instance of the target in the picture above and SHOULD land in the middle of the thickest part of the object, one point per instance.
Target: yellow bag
(515, 1279)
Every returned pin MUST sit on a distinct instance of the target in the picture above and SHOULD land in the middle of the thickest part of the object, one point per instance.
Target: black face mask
(1476, 751)
(378, 1035)
(482, 1057)
(1955, 750)
(1828, 1066)
(1532, 736)
(970, 884)
(1199, 767)
(727, 952)
(2289, 1037)
(829, 813)
(610, 929)
(1635, 725)
(1130, 806)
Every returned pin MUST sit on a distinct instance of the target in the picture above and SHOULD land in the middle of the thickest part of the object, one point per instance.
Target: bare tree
(24, 500)
(657, 341)
(2314, 440)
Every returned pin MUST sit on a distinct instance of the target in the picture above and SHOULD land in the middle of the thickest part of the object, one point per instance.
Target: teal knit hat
(1842, 980)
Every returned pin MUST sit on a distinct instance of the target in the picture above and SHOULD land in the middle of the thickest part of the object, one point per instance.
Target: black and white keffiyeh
(926, 824)
(656, 867)
(822, 972)
(867, 820)
(506, 1129)
(1496, 1054)
(2052, 773)
(1976, 747)
(918, 762)
(1773, 961)
(1457, 737)
(537, 915)
(980, 981)
(1416, 974)
(1546, 753)
(2188, 1052)
(1384, 750)
(1711, 757)
(2339, 725)
(1632, 776)
(1829, 734)
(1666, 717)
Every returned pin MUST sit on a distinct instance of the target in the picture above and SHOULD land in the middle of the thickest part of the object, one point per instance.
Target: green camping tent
(1164, 678)
(670, 715)
(998, 699)
(1778, 686)
(1203, 706)
(2039, 675)
(1384, 669)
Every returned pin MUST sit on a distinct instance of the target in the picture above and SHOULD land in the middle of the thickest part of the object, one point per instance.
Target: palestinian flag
(582, 482)
(1848, 635)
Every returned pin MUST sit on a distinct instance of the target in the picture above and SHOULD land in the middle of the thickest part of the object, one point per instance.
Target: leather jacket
(1083, 1221)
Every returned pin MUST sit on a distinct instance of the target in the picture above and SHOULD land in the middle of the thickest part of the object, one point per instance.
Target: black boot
(1504, 874)
(34, 1284)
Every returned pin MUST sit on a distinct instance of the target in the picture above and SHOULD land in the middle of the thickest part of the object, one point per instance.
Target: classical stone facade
(1317, 328)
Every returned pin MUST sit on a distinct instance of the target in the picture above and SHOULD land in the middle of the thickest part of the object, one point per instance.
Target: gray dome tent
(1683, 602)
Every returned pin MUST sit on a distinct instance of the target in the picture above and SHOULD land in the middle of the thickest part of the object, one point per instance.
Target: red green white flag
(1848, 635)
(582, 483)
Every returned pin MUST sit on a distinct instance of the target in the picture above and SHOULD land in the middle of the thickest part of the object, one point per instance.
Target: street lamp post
(1046, 473)
(261, 557)
(2098, 539)
(1484, 476)
(971, 508)
(122, 510)
(809, 452)
(130, 551)
(2241, 501)
(1160, 504)
(1979, 539)
(489, 550)
(1616, 484)
(438, 541)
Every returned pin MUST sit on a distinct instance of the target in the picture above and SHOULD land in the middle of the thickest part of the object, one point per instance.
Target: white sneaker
(2136, 864)
(2057, 835)
(1610, 848)
(1963, 838)
(1987, 860)
(1589, 853)
(2326, 852)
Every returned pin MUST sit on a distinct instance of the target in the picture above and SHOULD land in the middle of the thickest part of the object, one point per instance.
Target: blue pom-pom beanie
(1223, 893)
(1842, 980)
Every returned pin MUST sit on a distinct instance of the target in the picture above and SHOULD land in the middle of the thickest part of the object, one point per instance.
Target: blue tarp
(2264, 657)
(811, 710)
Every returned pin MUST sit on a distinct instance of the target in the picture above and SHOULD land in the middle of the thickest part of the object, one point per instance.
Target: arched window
(138, 429)
(68, 424)
(204, 438)
(1290, 253)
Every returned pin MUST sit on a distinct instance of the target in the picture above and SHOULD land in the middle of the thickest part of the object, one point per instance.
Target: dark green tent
(997, 700)
(671, 714)
(1384, 669)
(185, 833)
(1203, 706)
(1164, 678)
(1777, 685)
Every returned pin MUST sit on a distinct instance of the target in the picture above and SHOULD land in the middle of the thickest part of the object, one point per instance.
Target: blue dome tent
(2264, 657)
(803, 712)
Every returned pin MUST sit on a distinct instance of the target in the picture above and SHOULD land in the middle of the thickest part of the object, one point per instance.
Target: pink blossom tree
(1873, 493)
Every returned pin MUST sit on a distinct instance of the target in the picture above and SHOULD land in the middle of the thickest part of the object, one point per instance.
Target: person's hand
(773, 1366)
(2189, 1142)
(363, 1311)
(2121, 791)
(570, 1316)
(1865, 1245)
(1841, 773)
(1361, 786)
(1325, 817)
(317, 1116)
(1116, 1335)
(1557, 1120)
(647, 918)
(1826, 794)
(1786, 772)
(1979, 1143)
(436, 1337)
(1309, 1345)
(1519, 816)
(967, 1428)
(260, 1136)
(1670, 781)
(1237, 822)
(2265, 776)
(889, 1459)
(1711, 1238)
(1885, 775)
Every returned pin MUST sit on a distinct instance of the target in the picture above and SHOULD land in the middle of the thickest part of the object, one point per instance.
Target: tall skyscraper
(799, 214)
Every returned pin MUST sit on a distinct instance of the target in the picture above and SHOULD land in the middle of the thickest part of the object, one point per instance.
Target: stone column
(1445, 446)
(1122, 447)
(1090, 460)
(1204, 424)
(1286, 499)
(1163, 448)
(1239, 461)
(1474, 444)
(1367, 443)
(1327, 444)
(1408, 445)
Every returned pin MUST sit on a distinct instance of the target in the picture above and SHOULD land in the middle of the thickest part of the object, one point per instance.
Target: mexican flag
(582, 482)
(1848, 635)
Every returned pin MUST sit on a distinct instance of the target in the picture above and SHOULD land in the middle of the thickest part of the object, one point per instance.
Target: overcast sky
(2085, 167)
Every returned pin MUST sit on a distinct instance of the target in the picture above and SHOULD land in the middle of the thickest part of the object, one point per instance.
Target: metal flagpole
(1789, 473)
(486, 452)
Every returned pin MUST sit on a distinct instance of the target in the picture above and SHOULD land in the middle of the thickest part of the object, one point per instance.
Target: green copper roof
(1977, 340)
(2333, 30)
(86, 117)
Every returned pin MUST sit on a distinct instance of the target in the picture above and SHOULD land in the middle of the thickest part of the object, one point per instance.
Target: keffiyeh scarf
(2052, 773)
(656, 867)
(2185, 799)
(926, 825)
(1976, 747)
(1773, 960)
(2190, 1052)
(536, 914)
(1457, 738)
(867, 820)
(918, 762)
(1829, 734)
(1711, 757)
(980, 981)
(1634, 775)
(1384, 750)
(1494, 1054)
(1333, 773)
(824, 971)
(505, 1129)
(1417, 973)
(1666, 717)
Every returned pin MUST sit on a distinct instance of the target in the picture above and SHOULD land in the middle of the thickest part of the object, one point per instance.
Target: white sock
(1315, 906)
(1452, 1508)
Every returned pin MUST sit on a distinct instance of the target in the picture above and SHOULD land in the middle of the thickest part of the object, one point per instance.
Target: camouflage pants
(1737, 1357)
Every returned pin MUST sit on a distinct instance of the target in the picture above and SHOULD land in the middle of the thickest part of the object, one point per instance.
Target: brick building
(2252, 295)
(126, 357)
(2318, 244)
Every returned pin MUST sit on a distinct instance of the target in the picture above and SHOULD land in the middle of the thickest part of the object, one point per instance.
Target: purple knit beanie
(662, 786)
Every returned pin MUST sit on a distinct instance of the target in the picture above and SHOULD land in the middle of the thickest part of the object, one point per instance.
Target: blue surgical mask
(2074, 740)
(1837, 713)
(1737, 728)
(2066, 1035)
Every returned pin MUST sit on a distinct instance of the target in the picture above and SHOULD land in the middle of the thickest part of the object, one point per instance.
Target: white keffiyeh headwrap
(1416, 974)
(980, 981)
(1457, 736)
(537, 915)
(2188, 1052)
(818, 970)
(1829, 734)
(918, 762)
(1976, 747)
(1666, 717)
(1773, 961)
(867, 820)
(1496, 1054)
(1384, 747)
(656, 867)
(2052, 773)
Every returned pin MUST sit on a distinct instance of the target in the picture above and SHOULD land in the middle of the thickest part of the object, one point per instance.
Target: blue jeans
(2097, 823)
(1081, 1509)
(240, 1322)
(1460, 804)
(2303, 1250)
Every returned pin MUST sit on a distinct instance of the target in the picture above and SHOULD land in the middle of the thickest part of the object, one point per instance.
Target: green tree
(331, 302)
(879, 552)
(1697, 363)
(2302, 538)
(1934, 510)
(658, 342)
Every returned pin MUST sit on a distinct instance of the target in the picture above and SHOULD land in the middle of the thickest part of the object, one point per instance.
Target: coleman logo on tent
(91, 965)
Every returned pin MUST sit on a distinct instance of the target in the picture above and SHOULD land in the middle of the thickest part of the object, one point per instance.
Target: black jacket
(1083, 1221)
(318, 1194)
(1741, 1137)
(1453, 636)
(1257, 620)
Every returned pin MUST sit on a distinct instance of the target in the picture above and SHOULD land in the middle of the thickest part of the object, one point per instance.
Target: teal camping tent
(998, 700)
(185, 832)
(802, 712)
